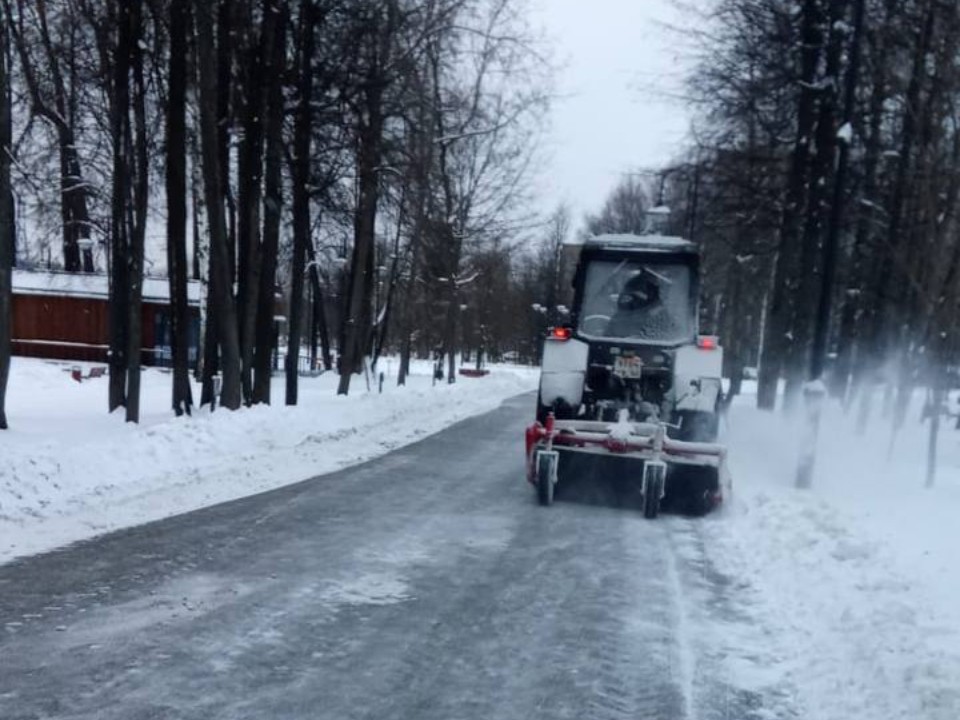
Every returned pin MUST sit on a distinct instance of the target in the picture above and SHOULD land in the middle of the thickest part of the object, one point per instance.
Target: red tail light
(707, 342)
(561, 333)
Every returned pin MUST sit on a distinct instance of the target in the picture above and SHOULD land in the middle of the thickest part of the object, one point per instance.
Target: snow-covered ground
(847, 594)
(855, 583)
(69, 471)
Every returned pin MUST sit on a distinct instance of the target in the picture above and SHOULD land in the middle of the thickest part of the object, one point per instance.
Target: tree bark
(836, 217)
(450, 337)
(858, 349)
(6, 221)
(273, 201)
(319, 309)
(360, 282)
(386, 313)
(226, 31)
(253, 95)
(176, 184)
(57, 111)
(139, 217)
(120, 239)
(777, 336)
(893, 256)
(356, 322)
(826, 142)
(821, 167)
(224, 313)
(301, 198)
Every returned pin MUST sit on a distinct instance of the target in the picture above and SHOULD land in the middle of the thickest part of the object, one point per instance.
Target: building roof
(92, 286)
(664, 243)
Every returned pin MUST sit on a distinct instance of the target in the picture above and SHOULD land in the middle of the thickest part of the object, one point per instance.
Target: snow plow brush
(640, 459)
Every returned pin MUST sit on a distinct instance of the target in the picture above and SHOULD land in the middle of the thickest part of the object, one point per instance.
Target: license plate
(628, 367)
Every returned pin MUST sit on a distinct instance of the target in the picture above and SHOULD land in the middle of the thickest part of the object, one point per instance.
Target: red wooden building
(64, 316)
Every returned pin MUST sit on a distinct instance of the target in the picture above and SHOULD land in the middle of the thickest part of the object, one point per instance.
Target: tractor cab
(634, 322)
(637, 290)
(630, 373)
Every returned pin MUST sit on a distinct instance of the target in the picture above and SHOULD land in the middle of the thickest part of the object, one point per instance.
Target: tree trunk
(311, 309)
(386, 313)
(273, 201)
(71, 249)
(73, 208)
(301, 197)
(811, 253)
(227, 23)
(6, 223)
(893, 256)
(360, 282)
(858, 343)
(195, 205)
(253, 95)
(450, 335)
(176, 184)
(424, 150)
(224, 310)
(139, 228)
(826, 140)
(58, 111)
(817, 260)
(732, 327)
(120, 239)
(777, 336)
(211, 347)
(319, 309)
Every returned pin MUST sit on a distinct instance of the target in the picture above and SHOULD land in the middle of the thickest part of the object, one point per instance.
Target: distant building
(65, 316)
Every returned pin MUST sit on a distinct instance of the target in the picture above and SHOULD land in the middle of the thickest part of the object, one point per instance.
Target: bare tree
(136, 149)
(176, 179)
(625, 211)
(252, 100)
(378, 23)
(778, 333)
(120, 227)
(273, 202)
(301, 206)
(49, 70)
(6, 219)
(222, 314)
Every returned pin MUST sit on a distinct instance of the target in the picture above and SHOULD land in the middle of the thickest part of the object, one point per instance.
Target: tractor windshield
(648, 302)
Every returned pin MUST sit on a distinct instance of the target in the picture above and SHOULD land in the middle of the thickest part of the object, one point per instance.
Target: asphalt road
(425, 584)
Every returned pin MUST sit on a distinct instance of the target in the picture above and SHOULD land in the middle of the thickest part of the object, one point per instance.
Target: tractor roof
(640, 243)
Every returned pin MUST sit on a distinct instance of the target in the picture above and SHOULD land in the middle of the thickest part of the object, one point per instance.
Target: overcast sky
(613, 115)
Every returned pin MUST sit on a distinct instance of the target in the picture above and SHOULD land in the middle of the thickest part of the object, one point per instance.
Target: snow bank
(855, 582)
(69, 471)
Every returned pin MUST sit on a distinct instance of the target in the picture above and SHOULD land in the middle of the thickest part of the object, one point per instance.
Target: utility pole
(815, 391)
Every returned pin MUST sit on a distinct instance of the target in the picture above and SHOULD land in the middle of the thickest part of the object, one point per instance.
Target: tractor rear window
(638, 301)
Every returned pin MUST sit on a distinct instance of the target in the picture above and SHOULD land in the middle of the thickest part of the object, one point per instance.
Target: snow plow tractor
(629, 391)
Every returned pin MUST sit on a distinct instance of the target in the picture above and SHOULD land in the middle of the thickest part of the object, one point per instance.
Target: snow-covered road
(424, 584)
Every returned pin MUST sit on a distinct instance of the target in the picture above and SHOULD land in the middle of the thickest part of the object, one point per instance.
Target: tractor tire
(700, 503)
(544, 482)
(653, 493)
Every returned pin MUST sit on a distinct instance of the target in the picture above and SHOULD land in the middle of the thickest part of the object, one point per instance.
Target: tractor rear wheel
(652, 491)
(544, 468)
